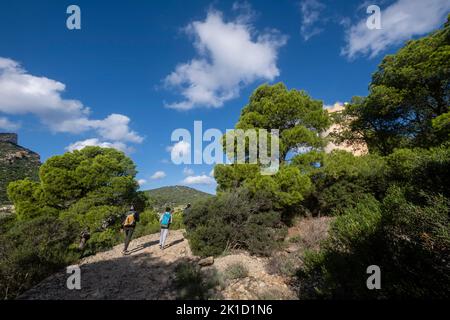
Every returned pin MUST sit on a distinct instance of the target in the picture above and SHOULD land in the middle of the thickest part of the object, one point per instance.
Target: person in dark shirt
(128, 227)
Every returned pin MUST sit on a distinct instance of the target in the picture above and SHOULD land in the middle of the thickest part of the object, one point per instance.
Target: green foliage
(149, 223)
(191, 284)
(441, 127)
(342, 179)
(298, 117)
(95, 176)
(406, 233)
(236, 219)
(230, 177)
(421, 169)
(409, 90)
(26, 196)
(285, 189)
(32, 250)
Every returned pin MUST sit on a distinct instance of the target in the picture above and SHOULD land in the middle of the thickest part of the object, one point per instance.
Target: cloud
(230, 55)
(141, 182)
(96, 142)
(202, 179)
(179, 149)
(7, 125)
(311, 14)
(158, 175)
(22, 93)
(114, 127)
(188, 172)
(400, 21)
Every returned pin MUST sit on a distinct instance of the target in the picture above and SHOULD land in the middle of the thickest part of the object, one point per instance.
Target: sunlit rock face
(16, 163)
(358, 149)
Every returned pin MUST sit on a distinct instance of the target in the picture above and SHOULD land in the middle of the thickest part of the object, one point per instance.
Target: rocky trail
(149, 273)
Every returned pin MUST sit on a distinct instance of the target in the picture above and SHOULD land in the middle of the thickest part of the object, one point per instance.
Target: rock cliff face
(358, 149)
(16, 163)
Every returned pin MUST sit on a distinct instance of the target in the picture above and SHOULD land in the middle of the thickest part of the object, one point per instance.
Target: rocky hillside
(175, 196)
(16, 163)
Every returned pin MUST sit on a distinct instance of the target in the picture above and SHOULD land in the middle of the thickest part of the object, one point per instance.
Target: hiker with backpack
(165, 221)
(128, 227)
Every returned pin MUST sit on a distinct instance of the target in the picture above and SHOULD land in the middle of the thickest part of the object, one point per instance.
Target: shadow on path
(143, 246)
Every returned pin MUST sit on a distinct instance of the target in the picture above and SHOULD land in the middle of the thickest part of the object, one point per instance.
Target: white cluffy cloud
(188, 172)
(231, 54)
(400, 21)
(96, 142)
(158, 175)
(142, 182)
(201, 179)
(7, 125)
(179, 150)
(23, 93)
(311, 14)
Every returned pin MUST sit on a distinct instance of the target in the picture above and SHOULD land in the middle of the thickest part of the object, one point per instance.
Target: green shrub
(192, 284)
(233, 220)
(148, 224)
(235, 271)
(32, 250)
(342, 180)
(410, 243)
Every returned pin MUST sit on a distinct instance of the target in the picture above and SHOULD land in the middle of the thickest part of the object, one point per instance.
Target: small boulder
(206, 262)
(291, 249)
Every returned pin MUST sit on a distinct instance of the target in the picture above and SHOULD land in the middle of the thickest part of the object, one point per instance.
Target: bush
(233, 220)
(410, 243)
(235, 271)
(342, 180)
(191, 284)
(417, 239)
(32, 250)
(283, 265)
(148, 224)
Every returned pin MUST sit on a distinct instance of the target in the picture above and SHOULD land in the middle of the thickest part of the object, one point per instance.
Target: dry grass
(308, 233)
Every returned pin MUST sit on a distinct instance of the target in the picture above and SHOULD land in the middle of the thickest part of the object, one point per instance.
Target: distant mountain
(175, 196)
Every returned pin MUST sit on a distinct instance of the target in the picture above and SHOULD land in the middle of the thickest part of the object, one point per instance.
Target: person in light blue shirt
(165, 220)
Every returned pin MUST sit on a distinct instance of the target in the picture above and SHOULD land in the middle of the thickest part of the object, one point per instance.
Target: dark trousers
(128, 234)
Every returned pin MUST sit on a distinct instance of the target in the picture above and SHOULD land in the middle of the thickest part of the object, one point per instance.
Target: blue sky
(137, 70)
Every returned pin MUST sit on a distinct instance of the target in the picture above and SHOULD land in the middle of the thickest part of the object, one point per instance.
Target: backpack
(129, 221)
(165, 220)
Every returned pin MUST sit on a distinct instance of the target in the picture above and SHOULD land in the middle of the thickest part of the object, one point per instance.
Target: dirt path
(146, 273)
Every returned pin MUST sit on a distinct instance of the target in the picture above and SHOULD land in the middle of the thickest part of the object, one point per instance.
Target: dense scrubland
(390, 207)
